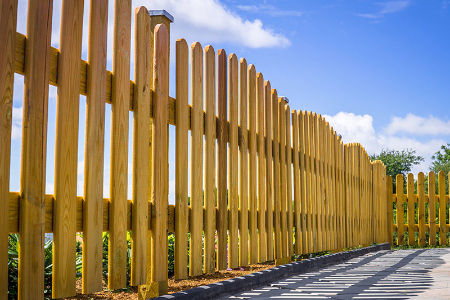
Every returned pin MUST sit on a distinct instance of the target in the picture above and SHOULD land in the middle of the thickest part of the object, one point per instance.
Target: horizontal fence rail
(421, 211)
(266, 182)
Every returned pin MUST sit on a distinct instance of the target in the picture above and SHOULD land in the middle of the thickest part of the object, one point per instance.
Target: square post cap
(161, 12)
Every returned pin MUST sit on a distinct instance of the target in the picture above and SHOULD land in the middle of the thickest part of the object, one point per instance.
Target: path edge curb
(253, 280)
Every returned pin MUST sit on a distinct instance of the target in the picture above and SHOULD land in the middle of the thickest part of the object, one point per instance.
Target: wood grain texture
(66, 150)
(411, 200)
(276, 174)
(431, 208)
(390, 221)
(141, 145)
(252, 145)
(443, 241)
(309, 187)
(243, 164)
(160, 153)
(268, 129)
(400, 211)
(210, 158)
(181, 160)
(283, 177)
(262, 236)
(222, 137)
(120, 96)
(34, 142)
(8, 22)
(297, 183)
(195, 245)
(290, 220)
(233, 105)
(94, 148)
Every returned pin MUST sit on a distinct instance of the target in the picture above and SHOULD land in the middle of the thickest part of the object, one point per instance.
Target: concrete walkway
(401, 274)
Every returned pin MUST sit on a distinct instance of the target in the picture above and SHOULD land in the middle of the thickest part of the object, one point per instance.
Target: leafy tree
(441, 160)
(398, 162)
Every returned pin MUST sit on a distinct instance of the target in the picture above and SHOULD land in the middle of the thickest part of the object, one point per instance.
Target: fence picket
(297, 183)
(400, 209)
(411, 200)
(210, 156)
(252, 96)
(432, 208)
(117, 250)
(34, 142)
(283, 177)
(196, 217)
(94, 148)
(8, 22)
(181, 160)
(421, 196)
(443, 241)
(222, 193)
(243, 164)
(290, 224)
(276, 175)
(269, 129)
(233, 253)
(262, 236)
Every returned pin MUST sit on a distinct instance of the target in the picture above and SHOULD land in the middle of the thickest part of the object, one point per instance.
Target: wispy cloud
(270, 10)
(385, 8)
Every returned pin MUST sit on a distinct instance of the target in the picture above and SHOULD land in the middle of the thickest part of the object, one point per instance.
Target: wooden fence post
(400, 209)
(421, 196)
(442, 209)
(268, 129)
(8, 22)
(411, 200)
(432, 207)
(160, 158)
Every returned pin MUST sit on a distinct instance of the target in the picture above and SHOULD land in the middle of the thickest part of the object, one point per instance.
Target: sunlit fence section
(421, 211)
(260, 182)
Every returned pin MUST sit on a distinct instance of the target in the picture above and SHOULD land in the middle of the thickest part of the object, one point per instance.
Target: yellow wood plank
(252, 145)
(443, 241)
(141, 150)
(66, 146)
(8, 22)
(390, 217)
(431, 207)
(196, 221)
(243, 165)
(117, 250)
(297, 182)
(34, 142)
(181, 160)
(421, 196)
(268, 129)
(304, 181)
(94, 149)
(411, 200)
(233, 253)
(222, 137)
(210, 157)
(160, 174)
(309, 139)
(317, 184)
(305, 171)
(276, 174)
(290, 220)
(262, 236)
(400, 212)
(283, 177)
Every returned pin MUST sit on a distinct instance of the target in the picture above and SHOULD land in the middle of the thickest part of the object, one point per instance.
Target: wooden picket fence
(418, 212)
(277, 183)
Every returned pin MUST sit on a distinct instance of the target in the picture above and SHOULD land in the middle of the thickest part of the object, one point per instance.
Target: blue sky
(378, 70)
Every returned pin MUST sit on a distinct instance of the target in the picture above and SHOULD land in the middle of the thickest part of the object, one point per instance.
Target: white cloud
(212, 22)
(360, 129)
(418, 125)
(387, 7)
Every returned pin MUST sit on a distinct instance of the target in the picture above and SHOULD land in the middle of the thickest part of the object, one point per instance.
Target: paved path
(401, 274)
